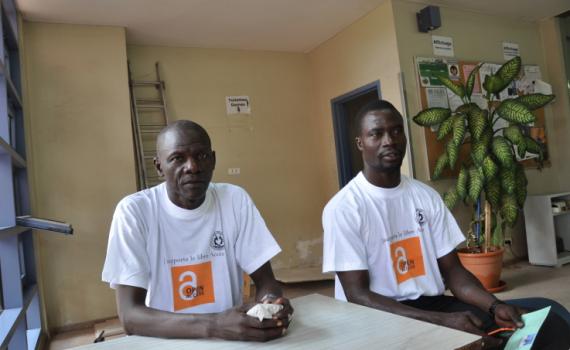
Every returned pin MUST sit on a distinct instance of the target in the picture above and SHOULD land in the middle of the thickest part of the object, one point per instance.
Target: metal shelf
(15, 230)
(12, 91)
(17, 159)
(33, 336)
(11, 318)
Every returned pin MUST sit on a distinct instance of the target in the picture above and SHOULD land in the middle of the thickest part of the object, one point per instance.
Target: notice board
(434, 94)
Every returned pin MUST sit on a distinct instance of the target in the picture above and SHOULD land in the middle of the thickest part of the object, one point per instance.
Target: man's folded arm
(232, 324)
(268, 290)
(356, 285)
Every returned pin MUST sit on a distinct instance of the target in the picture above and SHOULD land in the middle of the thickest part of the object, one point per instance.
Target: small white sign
(238, 105)
(510, 50)
(442, 45)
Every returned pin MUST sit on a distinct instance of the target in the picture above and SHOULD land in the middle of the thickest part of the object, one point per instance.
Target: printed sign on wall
(442, 45)
(238, 105)
(510, 50)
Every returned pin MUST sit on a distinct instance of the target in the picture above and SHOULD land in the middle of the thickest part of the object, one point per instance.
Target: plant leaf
(465, 109)
(503, 151)
(493, 192)
(461, 186)
(445, 128)
(535, 101)
(432, 116)
(456, 88)
(476, 182)
(471, 81)
(521, 148)
(480, 147)
(532, 146)
(515, 112)
(477, 120)
(508, 183)
(452, 153)
(493, 84)
(458, 130)
(497, 235)
(513, 134)
(509, 209)
(520, 186)
(490, 169)
(510, 70)
(441, 163)
(450, 198)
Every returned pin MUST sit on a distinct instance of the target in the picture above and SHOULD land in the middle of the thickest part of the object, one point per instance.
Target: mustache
(390, 151)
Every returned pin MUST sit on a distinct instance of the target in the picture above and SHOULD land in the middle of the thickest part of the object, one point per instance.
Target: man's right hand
(234, 324)
(464, 321)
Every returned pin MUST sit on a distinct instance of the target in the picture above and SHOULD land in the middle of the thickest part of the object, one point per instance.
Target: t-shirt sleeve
(446, 233)
(254, 244)
(343, 247)
(127, 261)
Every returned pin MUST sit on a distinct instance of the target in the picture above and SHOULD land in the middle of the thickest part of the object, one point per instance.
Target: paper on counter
(264, 311)
(523, 338)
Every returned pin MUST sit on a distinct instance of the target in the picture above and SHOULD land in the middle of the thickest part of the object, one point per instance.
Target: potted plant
(488, 172)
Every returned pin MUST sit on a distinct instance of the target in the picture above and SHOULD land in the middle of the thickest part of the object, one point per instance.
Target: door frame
(340, 119)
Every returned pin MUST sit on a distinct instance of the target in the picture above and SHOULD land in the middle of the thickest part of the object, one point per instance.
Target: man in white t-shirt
(177, 251)
(391, 241)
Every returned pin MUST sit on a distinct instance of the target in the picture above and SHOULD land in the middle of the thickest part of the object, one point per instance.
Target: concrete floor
(523, 280)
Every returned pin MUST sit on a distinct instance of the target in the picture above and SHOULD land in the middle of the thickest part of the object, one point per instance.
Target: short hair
(183, 125)
(376, 105)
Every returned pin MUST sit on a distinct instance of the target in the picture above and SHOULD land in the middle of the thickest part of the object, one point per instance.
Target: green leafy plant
(491, 171)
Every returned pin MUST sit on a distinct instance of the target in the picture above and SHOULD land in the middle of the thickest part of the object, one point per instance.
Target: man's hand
(463, 321)
(234, 324)
(286, 314)
(508, 316)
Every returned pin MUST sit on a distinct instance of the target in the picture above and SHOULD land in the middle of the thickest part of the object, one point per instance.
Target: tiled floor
(523, 280)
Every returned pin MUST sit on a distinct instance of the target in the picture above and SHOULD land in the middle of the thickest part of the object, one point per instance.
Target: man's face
(382, 140)
(187, 162)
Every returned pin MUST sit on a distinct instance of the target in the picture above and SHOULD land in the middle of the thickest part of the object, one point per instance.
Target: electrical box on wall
(428, 19)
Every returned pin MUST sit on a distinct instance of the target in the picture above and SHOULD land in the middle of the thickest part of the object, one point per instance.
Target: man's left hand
(509, 316)
(286, 314)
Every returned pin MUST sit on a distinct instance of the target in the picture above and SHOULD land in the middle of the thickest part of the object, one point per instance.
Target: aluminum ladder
(148, 116)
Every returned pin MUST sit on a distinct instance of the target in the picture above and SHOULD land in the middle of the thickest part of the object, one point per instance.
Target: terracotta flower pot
(485, 266)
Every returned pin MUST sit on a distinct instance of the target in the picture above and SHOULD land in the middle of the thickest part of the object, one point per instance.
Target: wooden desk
(324, 323)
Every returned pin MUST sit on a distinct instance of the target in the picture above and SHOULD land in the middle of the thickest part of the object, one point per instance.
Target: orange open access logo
(192, 285)
(407, 259)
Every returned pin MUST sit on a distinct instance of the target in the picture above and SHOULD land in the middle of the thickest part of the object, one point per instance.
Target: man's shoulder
(230, 193)
(227, 190)
(347, 199)
(141, 199)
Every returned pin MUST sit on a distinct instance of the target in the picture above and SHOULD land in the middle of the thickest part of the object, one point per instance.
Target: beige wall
(555, 178)
(80, 157)
(274, 146)
(476, 37)
(364, 52)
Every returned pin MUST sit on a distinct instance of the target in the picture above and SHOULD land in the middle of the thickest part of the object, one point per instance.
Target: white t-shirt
(397, 234)
(189, 261)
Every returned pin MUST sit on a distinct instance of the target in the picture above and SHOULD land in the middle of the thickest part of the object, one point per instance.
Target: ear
(213, 160)
(157, 166)
(358, 143)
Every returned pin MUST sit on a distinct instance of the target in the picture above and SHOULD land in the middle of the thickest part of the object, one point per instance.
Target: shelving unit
(542, 228)
(20, 315)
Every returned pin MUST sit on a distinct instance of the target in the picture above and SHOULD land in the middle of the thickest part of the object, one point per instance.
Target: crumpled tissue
(266, 311)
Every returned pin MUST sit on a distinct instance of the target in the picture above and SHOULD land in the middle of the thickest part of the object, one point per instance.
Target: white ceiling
(274, 25)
